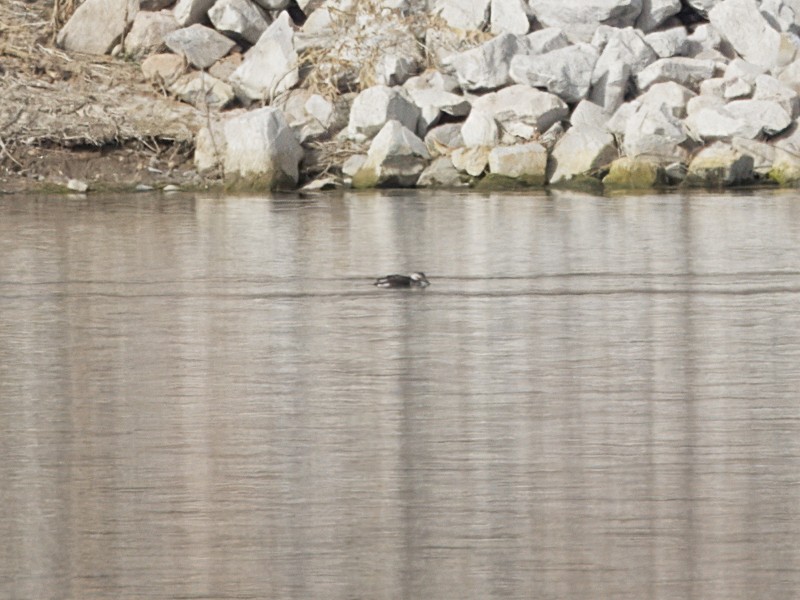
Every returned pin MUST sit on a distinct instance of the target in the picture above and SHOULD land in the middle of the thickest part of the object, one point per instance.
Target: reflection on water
(206, 398)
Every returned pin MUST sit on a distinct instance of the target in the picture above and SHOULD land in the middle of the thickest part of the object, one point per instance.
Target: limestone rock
(526, 162)
(441, 173)
(271, 66)
(374, 107)
(396, 157)
(770, 88)
(566, 72)
(261, 150)
(189, 12)
(273, 4)
(688, 72)
(486, 66)
(785, 169)
(463, 14)
(717, 123)
(769, 116)
(624, 53)
(209, 149)
(669, 94)
(784, 15)
(518, 112)
(743, 25)
(163, 68)
(544, 40)
(653, 130)
(239, 19)
(202, 46)
(225, 67)
(719, 165)
(201, 89)
(444, 139)
(668, 43)
(636, 173)
(432, 103)
(579, 18)
(509, 16)
(97, 25)
(581, 150)
(763, 154)
(147, 32)
(655, 12)
(472, 160)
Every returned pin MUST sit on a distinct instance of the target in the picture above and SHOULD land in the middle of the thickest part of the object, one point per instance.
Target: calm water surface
(206, 398)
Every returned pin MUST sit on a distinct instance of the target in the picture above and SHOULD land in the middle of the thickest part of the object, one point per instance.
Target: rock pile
(621, 93)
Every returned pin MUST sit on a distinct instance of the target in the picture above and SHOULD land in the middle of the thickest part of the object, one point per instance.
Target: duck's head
(419, 279)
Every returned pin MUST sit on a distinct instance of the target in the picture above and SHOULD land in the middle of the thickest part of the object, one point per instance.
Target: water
(206, 398)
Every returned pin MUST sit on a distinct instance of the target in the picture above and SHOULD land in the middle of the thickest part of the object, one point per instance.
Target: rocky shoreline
(321, 94)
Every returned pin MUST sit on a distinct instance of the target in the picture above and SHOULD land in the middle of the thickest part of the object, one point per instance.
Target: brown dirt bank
(91, 118)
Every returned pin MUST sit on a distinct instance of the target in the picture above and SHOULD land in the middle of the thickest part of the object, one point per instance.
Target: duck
(415, 280)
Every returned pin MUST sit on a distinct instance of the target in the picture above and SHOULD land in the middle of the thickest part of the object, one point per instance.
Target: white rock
(432, 79)
(147, 32)
(273, 4)
(353, 164)
(202, 46)
(239, 19)
(394, 69)
(189, 12)
(463, 14)
(702, 102)
(261, 149)
(509, 16)
(785, 14)
(669, 94)
(714, 87)
(472, 161)
(97, 25)
(741, 23)
(720, 165)
(566, 72)
(396, 157)
(770, 117)
(522, 161)
(209, 147)
(688, 72)
(653, 130)
(703, 40)
(163, 68)
(374, 107)
(588, 113)
(668, 43)
(520, 112)
(763, 154)
(737, 88)
(770, 88)
(582, 150)
(580, 18)
(703, 6)
(444, 139)
(544, 40)
(271, 66)
(77, 185)
(486, 66)
(441, 173)
(201, 89)
(432, 103)
(718, 123)
(655, 12)
(624, 52)
(619, 120)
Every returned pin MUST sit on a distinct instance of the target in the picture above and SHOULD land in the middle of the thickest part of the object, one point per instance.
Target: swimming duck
(417, 279)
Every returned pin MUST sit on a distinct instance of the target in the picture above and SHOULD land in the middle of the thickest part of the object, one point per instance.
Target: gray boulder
(669, 94)
(441, 173)
(486, 66)
(653, 130)
(374, 107)
(740, 118)
(472, 161)
(668, 43)
(97, 25)
(624, 52)
(202, 46)
(239, 19)
(566, 72)
(271, 66)
(444, 139)
(544, 40)
(770, 88)
(580, 151)
(396, 157)
(261, 150)
(147, 33)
